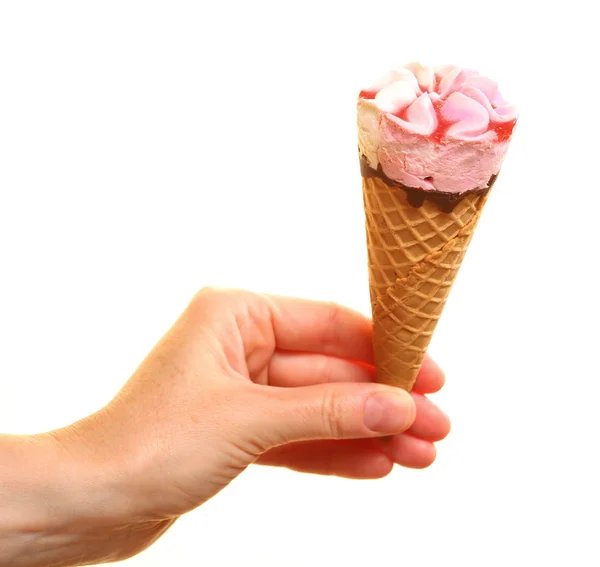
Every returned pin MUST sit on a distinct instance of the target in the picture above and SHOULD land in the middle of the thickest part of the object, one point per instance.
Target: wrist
(57, 499)
(34, 502)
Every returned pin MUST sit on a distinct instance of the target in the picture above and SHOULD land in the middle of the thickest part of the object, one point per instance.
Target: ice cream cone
(414, 256)
(431, 144)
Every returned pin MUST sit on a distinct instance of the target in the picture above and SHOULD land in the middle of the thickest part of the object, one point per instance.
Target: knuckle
(213, 294)
(332, 414)
(200, 304)
(208, 293)
(334, 311)
(323, 368)
(333, 318)
(208, 298)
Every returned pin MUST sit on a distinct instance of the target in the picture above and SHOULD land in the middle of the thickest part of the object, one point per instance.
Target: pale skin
(239, 379)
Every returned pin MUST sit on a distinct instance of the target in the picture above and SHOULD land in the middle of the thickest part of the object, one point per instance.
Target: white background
(150, 148)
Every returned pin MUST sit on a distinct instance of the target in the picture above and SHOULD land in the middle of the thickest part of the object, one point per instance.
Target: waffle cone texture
(414, 256)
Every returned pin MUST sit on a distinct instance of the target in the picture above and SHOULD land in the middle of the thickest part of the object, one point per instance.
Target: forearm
(51, 507)
(30, 496)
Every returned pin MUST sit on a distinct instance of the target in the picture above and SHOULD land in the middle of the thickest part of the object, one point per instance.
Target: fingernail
(389, 412)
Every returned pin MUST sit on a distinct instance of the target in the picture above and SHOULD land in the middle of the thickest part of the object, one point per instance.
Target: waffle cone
(414, 256)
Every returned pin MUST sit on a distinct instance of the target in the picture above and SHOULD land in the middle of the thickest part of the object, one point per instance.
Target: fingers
(318, 327)
(303, 326)
(430, 379)
(330, 329)
(341, 411)
(282, 417)
(408, 451)
(311, 327)
(358, 459)
(431, 423)
(288, 369)
(329, 411)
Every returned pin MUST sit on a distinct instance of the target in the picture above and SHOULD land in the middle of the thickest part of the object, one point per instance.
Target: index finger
(306, 326)
(302, 325)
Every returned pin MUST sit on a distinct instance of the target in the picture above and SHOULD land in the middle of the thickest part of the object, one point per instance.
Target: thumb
(331, 411)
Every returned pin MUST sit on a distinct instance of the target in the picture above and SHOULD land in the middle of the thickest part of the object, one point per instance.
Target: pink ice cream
(445, 128)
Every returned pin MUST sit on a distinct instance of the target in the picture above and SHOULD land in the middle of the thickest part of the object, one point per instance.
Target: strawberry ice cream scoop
(443, 129)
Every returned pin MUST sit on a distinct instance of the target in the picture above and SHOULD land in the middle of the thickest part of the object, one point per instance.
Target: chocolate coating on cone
(444, 200)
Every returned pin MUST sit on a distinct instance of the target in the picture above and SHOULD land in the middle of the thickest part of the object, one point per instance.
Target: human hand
(239, 379)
